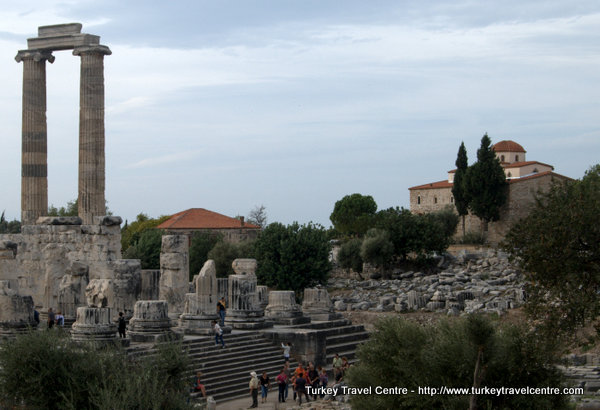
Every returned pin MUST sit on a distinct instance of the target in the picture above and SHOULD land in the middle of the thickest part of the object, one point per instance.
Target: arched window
(509, 175)
(501, 158)
(516, 158)
(535, 170)
(435, 199)
(451, 199)
(419, 200)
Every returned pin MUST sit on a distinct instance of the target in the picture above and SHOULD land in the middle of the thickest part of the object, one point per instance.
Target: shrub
(349, 255)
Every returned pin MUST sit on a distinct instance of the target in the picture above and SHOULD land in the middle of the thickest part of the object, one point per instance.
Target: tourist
(264, 387)
(282, 381)
(254, 389)
(323, 379)
(286, 351)
(301, 388)
(221, 310)
(122, 325)
(345, 364)
(198, 386)
(288, 375)
(218, 334)
(60, 319)
(50, 318)
(337, 367)
(312, 379)
(36, 317)
(297, 373)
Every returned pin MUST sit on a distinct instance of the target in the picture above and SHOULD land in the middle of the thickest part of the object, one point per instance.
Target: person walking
(218, 334)
(286, 351)
(301, 388)
(323, 379)
(121, 325)
(221, 309)
(264, 387)
(312, 379)
(60, 319)
(281, 384)
(253, 389)
(50, 318)
(288, 374)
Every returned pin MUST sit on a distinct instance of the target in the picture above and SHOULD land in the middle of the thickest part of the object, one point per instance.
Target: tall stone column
(34, 151)
(91, 132)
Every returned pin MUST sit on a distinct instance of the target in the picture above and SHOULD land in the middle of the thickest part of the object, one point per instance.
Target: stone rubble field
(483, 281)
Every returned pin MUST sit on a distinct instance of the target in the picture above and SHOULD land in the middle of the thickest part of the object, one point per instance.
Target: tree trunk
(477, 376)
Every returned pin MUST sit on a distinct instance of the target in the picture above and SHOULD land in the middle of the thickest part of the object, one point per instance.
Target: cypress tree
(486, 185)
(461, 201)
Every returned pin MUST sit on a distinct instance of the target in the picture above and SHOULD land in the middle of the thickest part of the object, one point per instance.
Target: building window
(509, 175)
(501, 158)
(516, 158)
(535, 170)
(435, 199)
(451, 199)
(419, 200)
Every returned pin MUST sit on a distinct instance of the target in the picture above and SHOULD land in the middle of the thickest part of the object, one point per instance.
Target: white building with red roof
(525, 179)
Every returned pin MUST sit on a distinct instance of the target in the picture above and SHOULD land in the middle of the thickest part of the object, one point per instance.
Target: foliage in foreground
(406, 354)
(557, 247)
(47, 370)
(13, 226)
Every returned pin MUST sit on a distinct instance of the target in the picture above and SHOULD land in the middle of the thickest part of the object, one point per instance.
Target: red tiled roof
(508, 145)
(200, 218)
(524, 163)
(434, 185)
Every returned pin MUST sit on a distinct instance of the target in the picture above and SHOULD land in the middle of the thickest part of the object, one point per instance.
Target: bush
(349, 255)
(377, 248)
(471, 238)
(48, 370)
(146, 249)
(405, 354)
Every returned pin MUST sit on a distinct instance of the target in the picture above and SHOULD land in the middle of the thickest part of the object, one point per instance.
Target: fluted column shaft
(91, 199)
(34, 150)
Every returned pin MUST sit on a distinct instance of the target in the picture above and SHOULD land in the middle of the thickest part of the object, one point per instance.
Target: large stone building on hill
(525, 179)
(202, 220)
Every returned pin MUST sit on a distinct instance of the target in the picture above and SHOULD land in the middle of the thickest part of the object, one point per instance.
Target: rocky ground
(482, 281)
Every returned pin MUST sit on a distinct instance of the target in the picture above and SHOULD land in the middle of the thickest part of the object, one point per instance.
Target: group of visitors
(53, 318)
(340, 365)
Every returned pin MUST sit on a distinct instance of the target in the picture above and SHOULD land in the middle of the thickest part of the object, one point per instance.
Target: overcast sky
(226, 105)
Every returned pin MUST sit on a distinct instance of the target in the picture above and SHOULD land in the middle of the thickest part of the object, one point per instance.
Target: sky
(227, 105)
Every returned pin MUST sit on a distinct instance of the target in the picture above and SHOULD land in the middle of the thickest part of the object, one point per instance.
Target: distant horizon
(295, 105)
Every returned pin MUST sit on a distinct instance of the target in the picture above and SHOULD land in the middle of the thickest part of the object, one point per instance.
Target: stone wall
(46, 251)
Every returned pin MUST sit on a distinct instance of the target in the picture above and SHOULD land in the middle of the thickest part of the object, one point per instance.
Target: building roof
(200, 218)
(508, 146)
(446, 184)
(434, 185)
(524, 163)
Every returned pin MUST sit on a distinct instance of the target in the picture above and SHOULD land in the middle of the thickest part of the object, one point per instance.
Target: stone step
(356, 337)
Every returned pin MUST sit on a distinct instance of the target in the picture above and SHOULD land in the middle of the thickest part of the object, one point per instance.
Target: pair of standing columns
(34, 160)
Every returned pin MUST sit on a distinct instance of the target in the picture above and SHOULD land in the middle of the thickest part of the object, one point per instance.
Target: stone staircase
(226, 372)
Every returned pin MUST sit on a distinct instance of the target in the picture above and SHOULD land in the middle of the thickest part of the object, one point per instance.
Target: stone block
(175, 244)
(59, 220)
(108, 220)
(244, 266)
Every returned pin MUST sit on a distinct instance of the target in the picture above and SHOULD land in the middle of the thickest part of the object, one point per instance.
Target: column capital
(92, 49)
(35, 55)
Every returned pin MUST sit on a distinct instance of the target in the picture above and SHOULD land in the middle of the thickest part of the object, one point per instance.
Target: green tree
(353, 214)
(200, 246)
(448, 353)
(376, 248)
(13, 226)
(349, 255)
(557, 247)
(131, 232)
(224, 253)
(292, 257)
(461, 200)
(146, 249)
(69, 210)
(485, 184)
